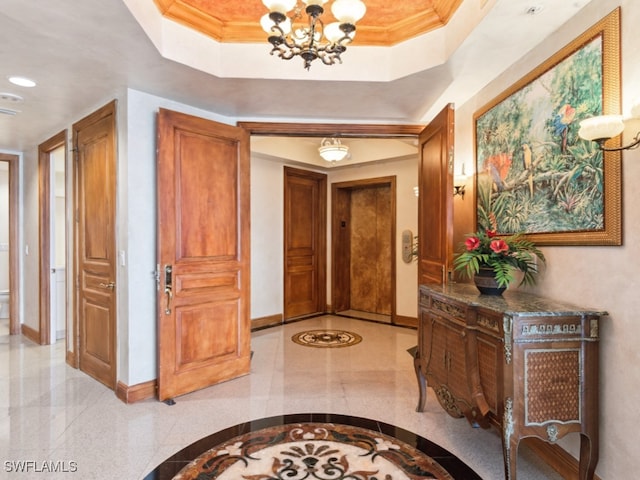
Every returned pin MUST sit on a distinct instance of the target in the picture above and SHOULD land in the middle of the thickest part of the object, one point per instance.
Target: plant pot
(486, 282)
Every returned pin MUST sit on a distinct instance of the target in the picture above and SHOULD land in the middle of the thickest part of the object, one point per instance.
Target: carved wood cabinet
(525, 365)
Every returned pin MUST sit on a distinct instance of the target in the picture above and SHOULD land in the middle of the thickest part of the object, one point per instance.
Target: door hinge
(156, 274)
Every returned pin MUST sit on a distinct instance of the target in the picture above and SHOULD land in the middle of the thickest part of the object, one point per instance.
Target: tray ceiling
(385, 23)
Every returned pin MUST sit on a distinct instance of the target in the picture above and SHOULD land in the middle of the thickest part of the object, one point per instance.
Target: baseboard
(266, 322)
(556, 457)
(72, 359)
(403, 321)
(136, 393)
(30, 333)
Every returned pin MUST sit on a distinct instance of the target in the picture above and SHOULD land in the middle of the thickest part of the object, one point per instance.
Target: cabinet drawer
(449, 309)
(554, 328)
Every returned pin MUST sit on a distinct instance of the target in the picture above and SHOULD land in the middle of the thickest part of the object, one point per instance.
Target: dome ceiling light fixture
(314, 40)
(332, 150)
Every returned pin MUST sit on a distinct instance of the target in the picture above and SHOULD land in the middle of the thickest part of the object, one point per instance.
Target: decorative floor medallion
(313, 451)
(327, 338)
(313, 446)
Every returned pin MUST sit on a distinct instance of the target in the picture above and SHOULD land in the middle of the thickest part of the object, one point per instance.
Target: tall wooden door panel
(305, 242)
(203, 251)
(95, 145)
(435, 205)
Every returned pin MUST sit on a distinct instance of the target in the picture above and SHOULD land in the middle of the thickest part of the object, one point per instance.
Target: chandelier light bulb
(282, 6)
(267, 24)
(315, 2)
(333, 33)
(348, 11)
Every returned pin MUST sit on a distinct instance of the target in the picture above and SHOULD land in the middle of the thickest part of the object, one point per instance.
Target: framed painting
(534, 174)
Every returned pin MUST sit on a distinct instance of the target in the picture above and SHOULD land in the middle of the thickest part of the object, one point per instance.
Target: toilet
(4, 303)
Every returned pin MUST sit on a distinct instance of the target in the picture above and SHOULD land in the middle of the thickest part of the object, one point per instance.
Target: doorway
(9, 243)
(363, 237)
(52, 159)
(305, 219)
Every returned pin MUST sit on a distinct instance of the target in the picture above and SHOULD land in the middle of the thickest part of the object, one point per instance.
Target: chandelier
(314, 40)
(332, 150)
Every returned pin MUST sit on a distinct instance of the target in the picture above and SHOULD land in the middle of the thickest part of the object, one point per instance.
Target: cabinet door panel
(437, 359)
(456, 364)
(489, 368)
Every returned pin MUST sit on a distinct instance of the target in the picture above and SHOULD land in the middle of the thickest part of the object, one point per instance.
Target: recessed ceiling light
(22, 81)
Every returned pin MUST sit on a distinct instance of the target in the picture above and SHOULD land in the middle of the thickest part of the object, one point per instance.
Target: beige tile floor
(52, 413)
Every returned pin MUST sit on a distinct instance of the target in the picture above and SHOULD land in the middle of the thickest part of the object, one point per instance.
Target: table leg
(422, 383)
(588, 457)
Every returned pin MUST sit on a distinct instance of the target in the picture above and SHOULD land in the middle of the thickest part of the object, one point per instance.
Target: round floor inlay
(306, 451)
(326, 338)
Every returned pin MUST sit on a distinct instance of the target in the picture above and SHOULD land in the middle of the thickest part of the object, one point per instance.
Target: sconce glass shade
(602, 127)
(348, 11)
(282, 6)
(332, 150)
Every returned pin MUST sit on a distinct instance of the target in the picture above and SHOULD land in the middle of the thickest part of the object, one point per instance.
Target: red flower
(499, 246)
(491, 233)
(472, 243)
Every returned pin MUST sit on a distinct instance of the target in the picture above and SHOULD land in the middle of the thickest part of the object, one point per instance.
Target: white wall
(267, 237)
(28, 248)
(4, 227)
(604, 278)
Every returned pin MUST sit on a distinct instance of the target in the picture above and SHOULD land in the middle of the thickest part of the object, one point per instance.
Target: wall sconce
(461, 180)
(604, 127)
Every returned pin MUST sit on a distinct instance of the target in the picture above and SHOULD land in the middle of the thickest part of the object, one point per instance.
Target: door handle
(110, 285)
(168, 288)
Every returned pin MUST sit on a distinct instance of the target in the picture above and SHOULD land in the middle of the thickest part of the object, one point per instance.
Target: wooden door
(203, 253)
(435, 205)
(305, 219)
(94, 139)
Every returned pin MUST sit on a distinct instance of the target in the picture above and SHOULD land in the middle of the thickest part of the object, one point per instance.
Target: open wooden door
(435, 204)
(203, 253)
(95, 159)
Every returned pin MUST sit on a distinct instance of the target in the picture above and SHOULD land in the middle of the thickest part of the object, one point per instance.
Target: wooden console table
(521, 363)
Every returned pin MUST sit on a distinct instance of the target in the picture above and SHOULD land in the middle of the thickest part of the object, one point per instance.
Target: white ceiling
(83, 53)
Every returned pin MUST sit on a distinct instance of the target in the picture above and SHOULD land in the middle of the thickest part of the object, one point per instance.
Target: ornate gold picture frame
(534, 174)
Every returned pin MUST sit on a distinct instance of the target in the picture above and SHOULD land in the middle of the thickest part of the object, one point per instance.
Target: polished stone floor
(55, 417)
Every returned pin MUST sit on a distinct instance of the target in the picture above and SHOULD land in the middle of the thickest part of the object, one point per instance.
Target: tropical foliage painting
(534, 173)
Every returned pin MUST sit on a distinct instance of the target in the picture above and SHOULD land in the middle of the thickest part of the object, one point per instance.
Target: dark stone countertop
(510, 302)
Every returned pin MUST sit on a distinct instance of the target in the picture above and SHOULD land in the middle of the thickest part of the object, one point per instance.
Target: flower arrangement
(501, 254)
